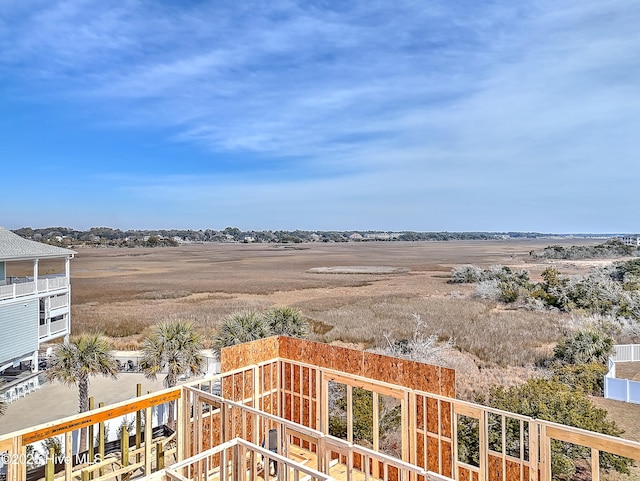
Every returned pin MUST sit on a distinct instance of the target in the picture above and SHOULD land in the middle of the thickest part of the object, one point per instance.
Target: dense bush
(587, 378)
(468, 274)
(585, 346)
(557, 402)
(612, 291)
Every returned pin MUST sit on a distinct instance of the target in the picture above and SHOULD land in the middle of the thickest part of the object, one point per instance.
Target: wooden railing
(238, 460)
(227, 420)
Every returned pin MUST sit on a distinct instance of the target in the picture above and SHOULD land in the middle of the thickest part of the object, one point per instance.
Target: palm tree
(174, 346)
(73, 363)
(239, 327)
(286, 321)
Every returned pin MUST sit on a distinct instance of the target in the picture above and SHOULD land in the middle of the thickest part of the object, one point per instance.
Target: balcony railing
(28, 288)
(53, 328)
(59, 301)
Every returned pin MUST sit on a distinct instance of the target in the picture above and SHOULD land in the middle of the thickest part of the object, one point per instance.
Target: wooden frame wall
(287, 381)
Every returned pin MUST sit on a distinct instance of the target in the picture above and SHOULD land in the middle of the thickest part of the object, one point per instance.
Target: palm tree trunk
(83, 405)
(171, 381)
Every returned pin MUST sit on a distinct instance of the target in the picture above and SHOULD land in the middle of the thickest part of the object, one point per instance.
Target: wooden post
(138, 422)
(159, 456)
(49, 470)
(91, 440)
(124, 451)
(349, 413)
(148, 439)
(68, 455)
(101, 442)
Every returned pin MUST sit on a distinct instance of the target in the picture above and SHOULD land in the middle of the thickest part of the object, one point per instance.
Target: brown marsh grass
(122, 292)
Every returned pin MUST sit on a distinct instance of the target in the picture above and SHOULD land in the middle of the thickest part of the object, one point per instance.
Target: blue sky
(391, 115)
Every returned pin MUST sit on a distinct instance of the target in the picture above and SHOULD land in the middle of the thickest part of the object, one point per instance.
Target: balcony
(25, 286)
(53, 329)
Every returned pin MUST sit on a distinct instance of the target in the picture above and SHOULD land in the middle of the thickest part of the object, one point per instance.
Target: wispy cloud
(475, 102)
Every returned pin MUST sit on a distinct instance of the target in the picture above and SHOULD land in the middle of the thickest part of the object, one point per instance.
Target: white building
(631, 240)
(34, 308)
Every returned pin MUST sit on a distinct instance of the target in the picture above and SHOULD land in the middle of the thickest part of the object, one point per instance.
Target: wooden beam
(86, 419)
(602, 442)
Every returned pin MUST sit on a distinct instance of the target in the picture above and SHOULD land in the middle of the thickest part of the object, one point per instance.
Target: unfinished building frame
(280, 388)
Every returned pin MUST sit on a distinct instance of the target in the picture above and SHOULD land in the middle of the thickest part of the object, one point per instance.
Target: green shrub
(587, 378)
(553, 401)
(584, 347)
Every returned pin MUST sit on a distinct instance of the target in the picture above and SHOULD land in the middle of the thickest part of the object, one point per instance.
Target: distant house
(34, 308)
(355, 237)
(631, 240)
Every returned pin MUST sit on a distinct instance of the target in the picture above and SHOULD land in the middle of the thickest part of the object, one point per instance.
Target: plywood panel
(382, 368)
(433, 461)
(494, 469)
(445, 419)
(320, 355)
(420, 444)
(249, 353)
(464, 474)
(447, 458)
(447, 382)
(513, 470)
(432, 415)
(422, 377)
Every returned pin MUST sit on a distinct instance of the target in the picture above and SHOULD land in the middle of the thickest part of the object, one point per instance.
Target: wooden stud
(148, 440)
(376, 421)
(101, 442)
(68, 455)
(595, 464)
(49, 470)
(349, 414)
(138, 422)
(90, 438)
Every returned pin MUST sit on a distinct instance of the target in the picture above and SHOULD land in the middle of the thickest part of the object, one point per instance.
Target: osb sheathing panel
(494, 469)
(432, 415)
(464, 474)
(392, 472)
(447, 458)
(411, 374)
(513, 470)
(254, 352)
(432, 455)
(447, 382)
(420, 450)
(445, 419)
(414, 375)
(420, 412)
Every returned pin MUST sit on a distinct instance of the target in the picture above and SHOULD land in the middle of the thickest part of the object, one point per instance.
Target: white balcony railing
(58, 326)
(54, 328)
(59, 301)
(48, 284)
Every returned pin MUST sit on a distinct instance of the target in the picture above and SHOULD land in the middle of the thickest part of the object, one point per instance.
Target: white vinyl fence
(622, 389)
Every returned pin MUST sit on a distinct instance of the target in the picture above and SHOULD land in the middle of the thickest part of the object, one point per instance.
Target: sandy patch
(359, 270)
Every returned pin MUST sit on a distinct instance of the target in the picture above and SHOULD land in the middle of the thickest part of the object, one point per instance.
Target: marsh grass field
(352, 293)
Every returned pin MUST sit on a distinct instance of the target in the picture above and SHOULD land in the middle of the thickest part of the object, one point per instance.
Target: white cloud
(419, 103)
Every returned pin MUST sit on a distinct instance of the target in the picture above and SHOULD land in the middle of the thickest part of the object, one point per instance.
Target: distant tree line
(106, 236)
(608, 249)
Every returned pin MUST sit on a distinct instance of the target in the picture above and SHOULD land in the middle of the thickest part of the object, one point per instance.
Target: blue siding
(18, 329)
